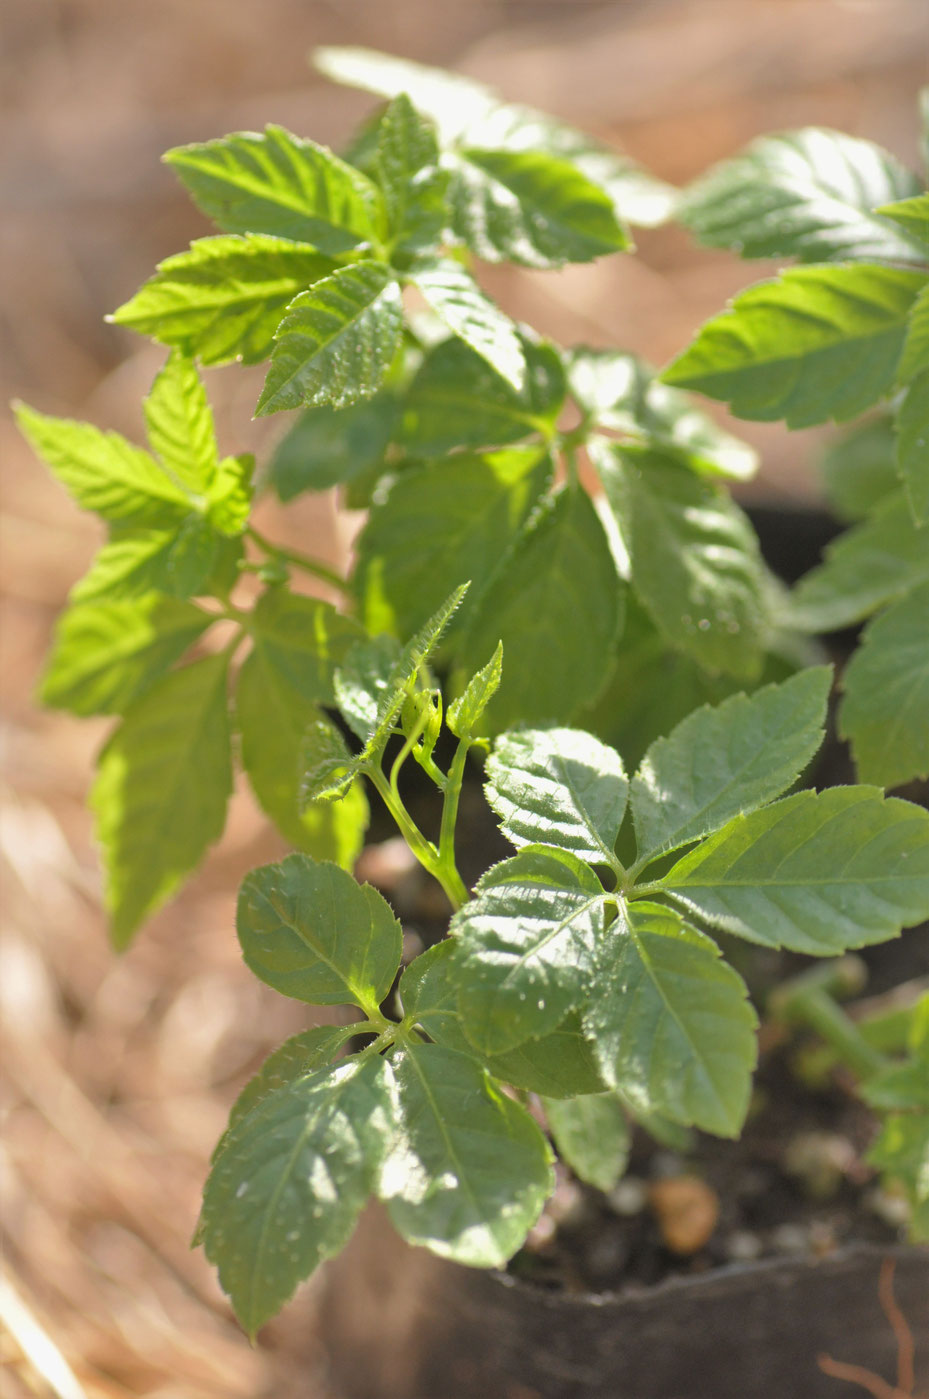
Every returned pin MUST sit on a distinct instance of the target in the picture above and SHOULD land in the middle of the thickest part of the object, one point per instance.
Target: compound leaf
(310, 931)
(468, 1170)
(816, 343)
(301, 1054)
(815, 872)
(163, 783)
(727, 759)
(459, 302)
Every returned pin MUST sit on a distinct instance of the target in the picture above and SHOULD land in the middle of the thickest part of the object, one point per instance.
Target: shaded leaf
(915, 358)
(592, 1135)
(330, 447)
(913, 446)
(301, 1054)
(458, 301)
(860, 469)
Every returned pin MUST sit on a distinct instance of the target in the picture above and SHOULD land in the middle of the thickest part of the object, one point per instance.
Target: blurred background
(119, 1072)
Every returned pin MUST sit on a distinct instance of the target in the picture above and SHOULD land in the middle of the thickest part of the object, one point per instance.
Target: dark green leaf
(915, 358)
(329, 447)
(441, 525)
(407, 165)
(815, 872)
(160, 796)
(468, 1171)
(913, 446)
(310, 931)
(224, 298)
(885, 711)
(694, 558)
(337, 340)
(107, 653)
(558, 787)
(460, 304)
(279, 184)
(303, 640)
(301, 1054)
(808, 194)
(817, 343)
(290, 1182)
(860, 470)
(728, 759)
(671, 1023)
(528, 941)
(557, 606)
(592, 1135)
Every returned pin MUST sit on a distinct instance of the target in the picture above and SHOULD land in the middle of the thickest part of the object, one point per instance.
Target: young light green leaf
(131, 564)
(300, 1055)
(885, 710)
(593, 1136)
(530, 207)
(310, 931)
(468, 1170)
(694, 556)
(902, 1151)
(330, 447)
(815, 872)
(557, 606)
(362, 680)
(457, 400)
(911, 214)
(337, 340)
(875, 563)
(915, 358)
(809, 194)
(913, 446)
(229, 497)
(107, 653)
(728, 759)
(859, 470)
(671, 1023)
(558, 787)
(528, 941)
(439, 525)
(273, 720)
(290, 1182)
(302, 640)
(560, 1063)
(224, 298)
(817, 343)
(280, 184)
(104, 472)
(464, 713)
(328, 769)
(458, 301)
(179, 423)
(162, 787)
(619, 392)
(407, 165)
(903, 1085)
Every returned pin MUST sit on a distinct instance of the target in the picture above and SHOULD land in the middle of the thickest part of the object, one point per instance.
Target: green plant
(583, 969)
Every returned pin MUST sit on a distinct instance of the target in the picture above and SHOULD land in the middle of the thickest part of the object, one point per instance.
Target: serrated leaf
(915, 358)
(163, 783)
(810, 194)
(557, 606)
(528, 941)
(179, 423)
(468, 1171)
(913, 446)
(816, 343)
(292, 1178)
(465, 712)
(280, 184)
(107, 653)
(619, 392)
(331, 447)
(885, 710)
(310, 931)
(273, 721)
(454, 102)
(558, 787)
(530, 207)
(224, 298)
(815, 872)
(129, 565)
(695, 560)
(671, 1023)
(442, 524)
(911, 214)
(728, 759)
(457, 400)
(460, 304)
(301, 1054)
(337, 340)
(327, 767)
(103, 472)
(859, 470)
(407, 165)
(560, 1063)
(229, 497)
(362, 681)
(873, 564)
(592, 1134)
(303, 640)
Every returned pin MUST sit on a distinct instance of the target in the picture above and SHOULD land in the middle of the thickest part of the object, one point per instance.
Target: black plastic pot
(400, 1324)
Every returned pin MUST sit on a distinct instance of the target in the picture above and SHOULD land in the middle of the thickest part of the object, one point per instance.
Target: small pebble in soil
(743, 1246)
(790, 1239)
(606, 1256)
(629, 1197)
(892, 1209)
(820, 1162)
(667, 1165)
(687, 1210)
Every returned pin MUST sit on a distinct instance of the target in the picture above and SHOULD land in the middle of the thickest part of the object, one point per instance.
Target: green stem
(314, 567)
(450, 819)
(808, 1000)
(423, 849)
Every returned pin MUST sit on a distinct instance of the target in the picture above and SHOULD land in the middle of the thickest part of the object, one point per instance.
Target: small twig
(855, 1374)
(906, 1350)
